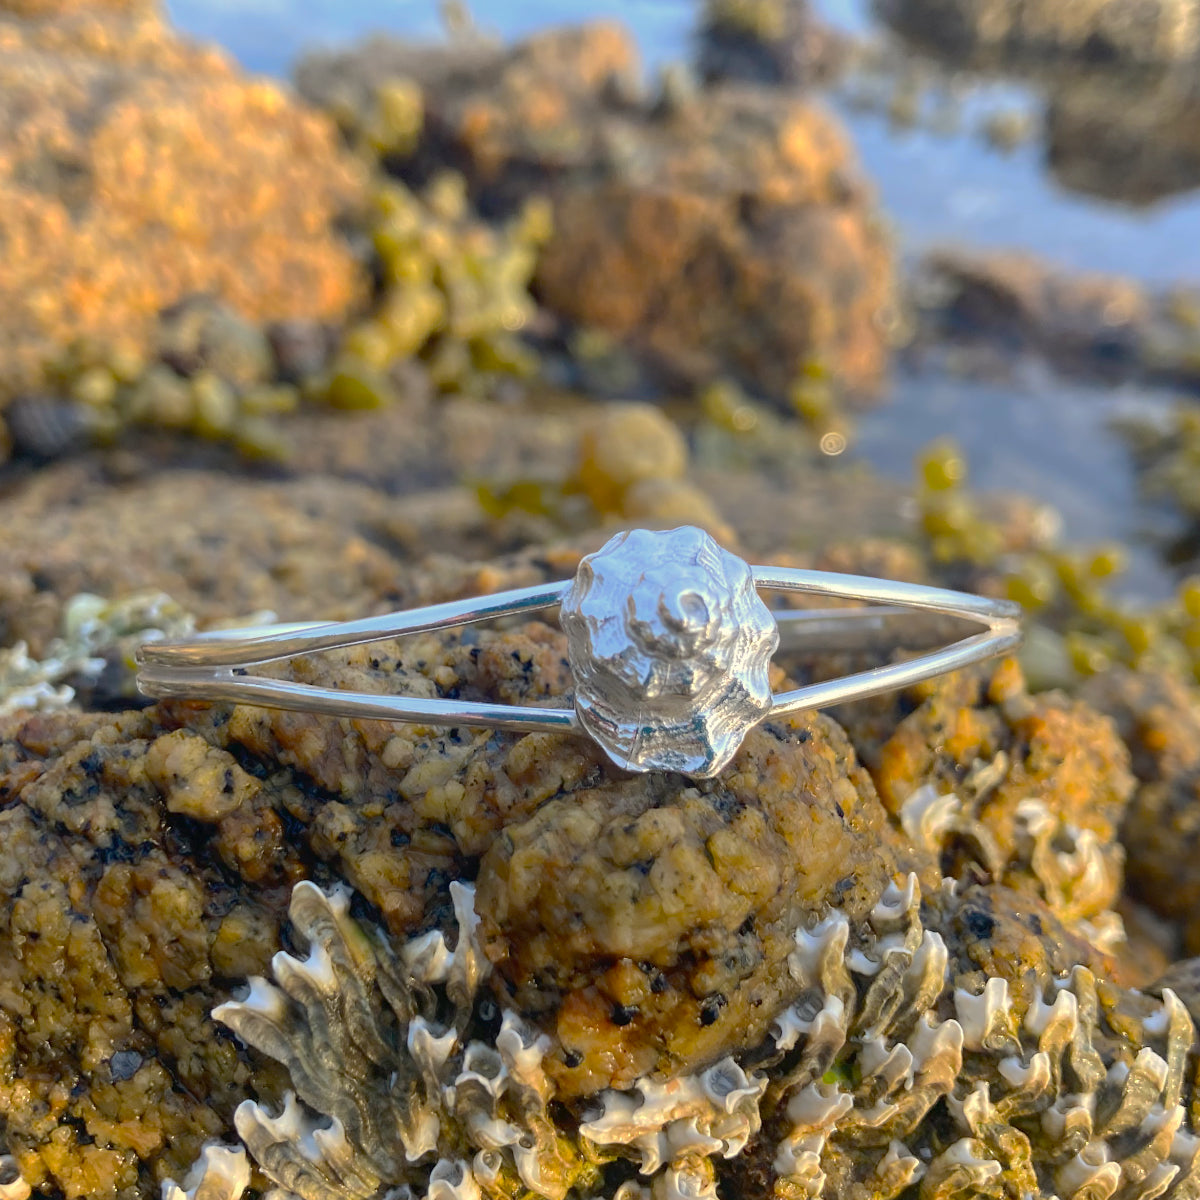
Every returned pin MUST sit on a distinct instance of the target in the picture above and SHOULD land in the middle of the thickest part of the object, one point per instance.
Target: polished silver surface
(670, 646)
(669, 642)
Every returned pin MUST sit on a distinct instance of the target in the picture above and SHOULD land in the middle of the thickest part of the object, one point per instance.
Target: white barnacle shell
(1054, 1024)
(483, 1065)
(819, 1106)
(1070, 1114)
(430, 1049)
(452, 1179)
(680, 1117)
(430, 960)
(670, 645)
(961, 1168)
(886, 1068)
(726, 1084)
(819, 956)
(220, 1173)
(522, 1050)
(632, 1190)
(986, 1019)
(927, 815)
(12, 1185)
(898, 1168)
(798, 1160)
(813, 1112)
(1090, 1172)
(897, 904)
(687, 1181)
(828, 1023)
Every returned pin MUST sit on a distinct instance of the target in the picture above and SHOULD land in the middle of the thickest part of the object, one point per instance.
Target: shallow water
(1048, 438)
(1040, 435)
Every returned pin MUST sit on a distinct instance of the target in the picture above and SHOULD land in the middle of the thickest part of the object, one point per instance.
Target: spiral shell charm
(671, 646)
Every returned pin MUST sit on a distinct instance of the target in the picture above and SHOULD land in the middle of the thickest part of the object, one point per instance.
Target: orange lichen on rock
(137, 168)
(110, 1077)
(1159, 717)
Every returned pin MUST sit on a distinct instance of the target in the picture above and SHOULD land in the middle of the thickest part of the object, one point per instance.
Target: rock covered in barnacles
(1031, 789)
(1044, 1085)
(671, 648)
(896, 1065)
(395, 1065)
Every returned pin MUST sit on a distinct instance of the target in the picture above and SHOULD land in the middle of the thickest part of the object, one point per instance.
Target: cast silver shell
(671, 647)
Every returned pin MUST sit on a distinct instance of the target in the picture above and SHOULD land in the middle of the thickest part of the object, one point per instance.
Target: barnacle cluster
(399, 1063)
(93, 630)
(1076, 872)
(889, 1070)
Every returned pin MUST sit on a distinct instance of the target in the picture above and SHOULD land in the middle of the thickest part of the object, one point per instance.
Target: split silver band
(655, 654)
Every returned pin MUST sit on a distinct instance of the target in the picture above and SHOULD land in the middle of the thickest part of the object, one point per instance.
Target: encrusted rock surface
(1134, 32)
(1033, 788)
(637, 923)
(1136, 141)
(1005, 305)
(107, 1063)
(767, 41)
(728, 233)
(143, 864)
(136, 168)
(652, 923)
(1159, 717)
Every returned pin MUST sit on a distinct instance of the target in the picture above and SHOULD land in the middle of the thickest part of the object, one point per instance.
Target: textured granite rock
(136, 168)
